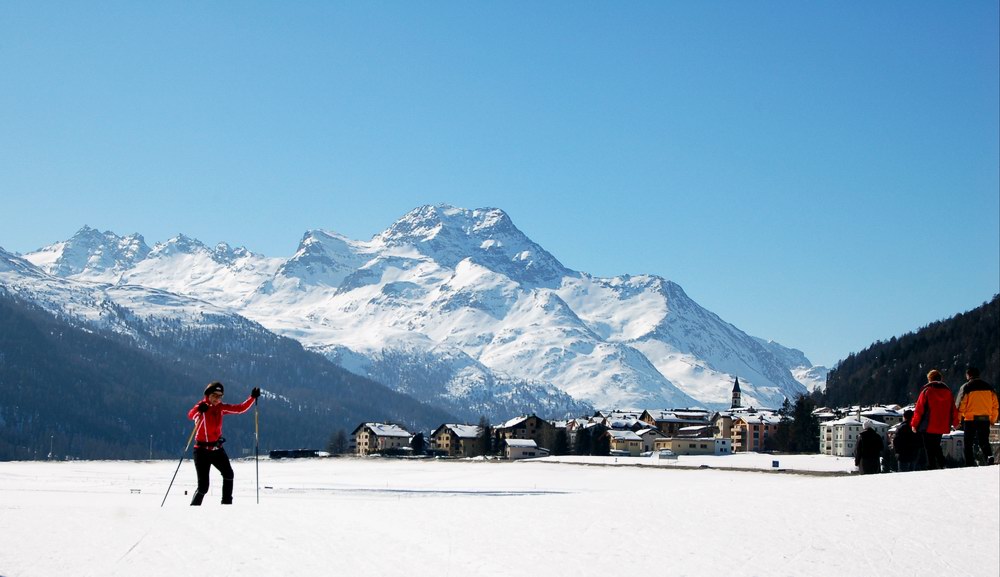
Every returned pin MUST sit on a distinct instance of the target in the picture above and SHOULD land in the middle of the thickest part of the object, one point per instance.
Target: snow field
(376, 517)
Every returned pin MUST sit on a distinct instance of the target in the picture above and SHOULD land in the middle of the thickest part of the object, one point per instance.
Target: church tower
(737, 395)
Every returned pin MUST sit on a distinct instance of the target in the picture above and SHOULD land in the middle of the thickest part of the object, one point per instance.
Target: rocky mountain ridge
(466, 299)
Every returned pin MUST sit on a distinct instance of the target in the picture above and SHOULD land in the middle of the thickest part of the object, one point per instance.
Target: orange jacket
(976, 398)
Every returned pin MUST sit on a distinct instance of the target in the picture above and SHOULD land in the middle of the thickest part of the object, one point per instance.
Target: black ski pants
(977, 432)
(204, 460)
(932, 446)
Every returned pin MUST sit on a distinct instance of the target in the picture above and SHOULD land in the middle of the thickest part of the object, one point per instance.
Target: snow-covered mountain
(458, 306)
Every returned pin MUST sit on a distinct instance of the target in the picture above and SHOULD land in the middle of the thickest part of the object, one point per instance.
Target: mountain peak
(487, 236)
(90, 252)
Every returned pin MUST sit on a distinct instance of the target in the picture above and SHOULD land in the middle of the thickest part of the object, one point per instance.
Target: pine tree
(485, 437)
(561, 444)
(338, 443)
(418, 444)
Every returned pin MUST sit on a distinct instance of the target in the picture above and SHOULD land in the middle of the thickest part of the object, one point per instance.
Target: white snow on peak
(449, 302)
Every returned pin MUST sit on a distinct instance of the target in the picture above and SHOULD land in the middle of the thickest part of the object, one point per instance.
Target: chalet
(625, 442)
(619, 420)
(527, 427)
(457, 440)
(649, 437)
(371, 438)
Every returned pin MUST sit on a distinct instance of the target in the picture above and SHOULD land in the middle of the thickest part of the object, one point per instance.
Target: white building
(840, 437)
(515, 449)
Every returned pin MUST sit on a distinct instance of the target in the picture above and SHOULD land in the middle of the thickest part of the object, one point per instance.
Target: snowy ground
(375, 518)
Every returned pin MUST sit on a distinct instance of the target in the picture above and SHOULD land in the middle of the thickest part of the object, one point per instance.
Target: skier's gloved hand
(202, 407)
(255, 392)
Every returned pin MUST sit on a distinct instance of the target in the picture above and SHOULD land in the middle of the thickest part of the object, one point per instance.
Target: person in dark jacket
(869, 451)
(208, 451)
(934, 417)
(906, 445)
(977, 410)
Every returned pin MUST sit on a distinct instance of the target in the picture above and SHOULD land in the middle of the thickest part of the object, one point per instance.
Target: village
(660, 433)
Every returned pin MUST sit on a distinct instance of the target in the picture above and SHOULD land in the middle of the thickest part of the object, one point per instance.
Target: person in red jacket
(933, 417)
(208, 451)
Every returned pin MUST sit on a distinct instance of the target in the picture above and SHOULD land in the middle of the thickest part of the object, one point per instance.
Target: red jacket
(210, 425)
(935, 411)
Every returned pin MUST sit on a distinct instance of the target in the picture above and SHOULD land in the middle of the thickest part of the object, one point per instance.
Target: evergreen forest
(893, 371)
(68, 391)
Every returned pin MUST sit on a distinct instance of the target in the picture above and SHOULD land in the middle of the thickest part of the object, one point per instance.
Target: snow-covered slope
(455, 306)
(119, 308)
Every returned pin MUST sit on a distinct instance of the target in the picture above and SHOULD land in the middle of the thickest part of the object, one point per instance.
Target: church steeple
(737, 395)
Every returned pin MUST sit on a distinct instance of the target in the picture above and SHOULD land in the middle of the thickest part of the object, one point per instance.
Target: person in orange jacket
(934, 416)
(208, 451)
(977, 410)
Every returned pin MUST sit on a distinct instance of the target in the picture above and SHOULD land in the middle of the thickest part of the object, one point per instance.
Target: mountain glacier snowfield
(453, 306)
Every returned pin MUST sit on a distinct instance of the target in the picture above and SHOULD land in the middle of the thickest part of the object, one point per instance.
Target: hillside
(89, 393)
(893, 371)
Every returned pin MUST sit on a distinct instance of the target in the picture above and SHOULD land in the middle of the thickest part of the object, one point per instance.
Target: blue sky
(822, 174)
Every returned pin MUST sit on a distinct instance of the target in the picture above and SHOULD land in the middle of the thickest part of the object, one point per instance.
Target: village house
(752, 430)
(514, 449)
(883, 415)
(669, 422)
(572, 426)
(695, 445)
(649, 437)
(457, 440)
(369, 438)
(625, 442)
(527, 427)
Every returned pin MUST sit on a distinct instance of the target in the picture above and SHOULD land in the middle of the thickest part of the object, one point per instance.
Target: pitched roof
(462, 431)
(624, 436)
(521, 443)
(759, 419)
(387, 430)
(514, 422)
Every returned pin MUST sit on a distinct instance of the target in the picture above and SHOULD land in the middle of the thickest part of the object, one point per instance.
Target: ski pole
(181, 461)
(256, 443)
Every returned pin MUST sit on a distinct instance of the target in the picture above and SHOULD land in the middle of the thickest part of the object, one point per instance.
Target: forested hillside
(87, 394)
(894, 371)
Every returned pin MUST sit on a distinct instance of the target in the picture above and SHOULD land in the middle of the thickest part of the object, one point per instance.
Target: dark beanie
(215, 387)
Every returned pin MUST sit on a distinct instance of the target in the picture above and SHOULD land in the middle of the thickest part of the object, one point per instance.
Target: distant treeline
(893, 371)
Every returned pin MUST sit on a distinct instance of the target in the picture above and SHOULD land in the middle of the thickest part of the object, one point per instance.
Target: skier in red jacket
(208, 451)
(934, 416)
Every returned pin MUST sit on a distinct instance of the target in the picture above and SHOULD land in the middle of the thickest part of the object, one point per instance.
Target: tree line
(894, 371)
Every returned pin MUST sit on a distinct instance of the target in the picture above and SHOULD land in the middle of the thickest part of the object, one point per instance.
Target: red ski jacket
(210, 425)
(935, 411)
